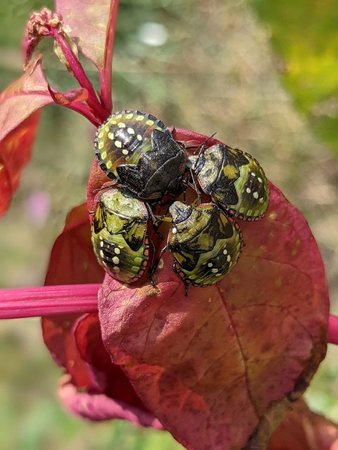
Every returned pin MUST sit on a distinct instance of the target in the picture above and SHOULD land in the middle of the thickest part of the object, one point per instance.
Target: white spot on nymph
(117, 250)
(210, 264)
(255, 195)
(228, 258)
(248, 190)
(101, 243)
(116, 260)
(125, 151)
(101, 254)
(260, 180)
(116, 269)
(261, 199)
(214, 270)
(131, 130)
(121, 125)
(118, 144)
(253, 174)
(225, 251)
(139, 137)
(111, 136)
(174, 230)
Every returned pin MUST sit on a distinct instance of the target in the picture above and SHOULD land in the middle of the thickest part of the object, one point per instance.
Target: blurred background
(262, 74)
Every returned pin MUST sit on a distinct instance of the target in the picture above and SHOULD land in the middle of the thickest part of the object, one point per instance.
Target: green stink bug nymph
(204, 242)
(233, 179)
(119, 235)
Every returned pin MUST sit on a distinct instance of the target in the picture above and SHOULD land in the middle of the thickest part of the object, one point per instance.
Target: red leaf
(73, 96)
(72, 261)
(88, 21)
(304, 430)
(18, 123)
(15, 152)
(59, 339)
(97, 179)
(92, 26)
(75, 341)
(220, 367)
(115, 384)
(24, 96)
(72, 258)
(98, 407)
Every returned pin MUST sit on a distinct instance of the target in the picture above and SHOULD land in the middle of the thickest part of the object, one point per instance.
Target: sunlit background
(255, 73)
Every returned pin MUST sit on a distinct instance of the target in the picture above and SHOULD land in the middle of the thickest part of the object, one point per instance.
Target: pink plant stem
(78, 107)
(84, 111)
(48, 300)
(332, 336)
(80, 75)
(106, 73)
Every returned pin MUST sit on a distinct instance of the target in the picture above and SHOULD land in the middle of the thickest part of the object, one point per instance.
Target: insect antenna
(202, 146)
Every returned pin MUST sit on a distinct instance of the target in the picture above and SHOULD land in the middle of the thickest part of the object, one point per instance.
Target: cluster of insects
(152, 176)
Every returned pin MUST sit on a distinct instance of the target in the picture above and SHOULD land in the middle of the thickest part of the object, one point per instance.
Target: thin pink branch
(106, 73)
(80, 75)
(84, 111)
(80, 108)
(332, 336)
(48, 300)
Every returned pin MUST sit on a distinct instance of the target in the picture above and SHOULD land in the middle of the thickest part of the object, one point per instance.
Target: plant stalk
(48, 300)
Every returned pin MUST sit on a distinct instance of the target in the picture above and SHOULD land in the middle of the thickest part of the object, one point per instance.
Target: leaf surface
(72, 261)
(95, 388)
(72, 258)
(91, 25)
(24, 96)
(19, 117)
(220, 367)
(15, 152)
(121, 401)
(302, 429)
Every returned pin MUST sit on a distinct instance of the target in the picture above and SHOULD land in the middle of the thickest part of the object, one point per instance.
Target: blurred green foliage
(32, 419)
(304, 34)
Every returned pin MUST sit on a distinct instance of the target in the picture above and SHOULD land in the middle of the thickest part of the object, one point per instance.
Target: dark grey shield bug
(158, 171)
(123, 138)
(138, 151)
